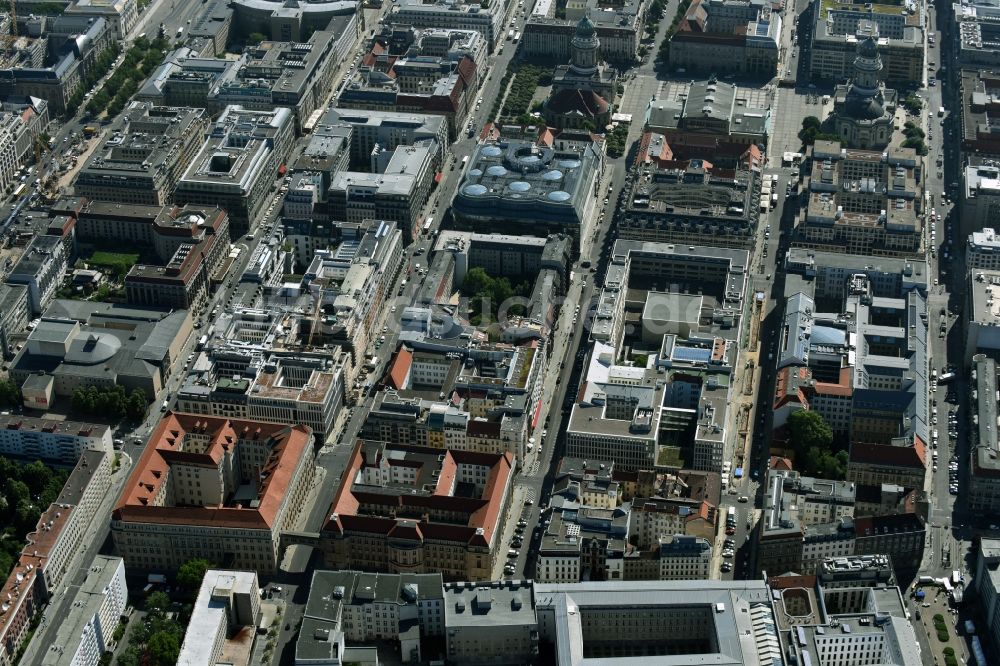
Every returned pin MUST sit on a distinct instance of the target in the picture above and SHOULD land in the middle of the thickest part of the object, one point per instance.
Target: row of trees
(110, 403)
(92, 76)
(139, 63)
(664, 52)
(811, 438)
(616, 140)
(26, 489)
(914, 138)
(10, 394)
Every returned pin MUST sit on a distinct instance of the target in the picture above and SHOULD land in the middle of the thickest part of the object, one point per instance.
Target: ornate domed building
(864, 110)
(584, 90)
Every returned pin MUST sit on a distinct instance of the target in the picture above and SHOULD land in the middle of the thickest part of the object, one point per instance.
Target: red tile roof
(136, 503)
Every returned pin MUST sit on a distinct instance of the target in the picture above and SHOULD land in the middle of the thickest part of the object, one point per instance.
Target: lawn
(117, 263)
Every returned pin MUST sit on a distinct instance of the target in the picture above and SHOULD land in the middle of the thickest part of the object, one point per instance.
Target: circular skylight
(474, 190)
(496, 170)
(552, 175)
(569, 164)
(492, 151)
(559, 196)
(476, 173)
(520, 186)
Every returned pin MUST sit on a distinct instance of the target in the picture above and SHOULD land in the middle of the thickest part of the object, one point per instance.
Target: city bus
(427, 224)
(517, 37)
(19, 190)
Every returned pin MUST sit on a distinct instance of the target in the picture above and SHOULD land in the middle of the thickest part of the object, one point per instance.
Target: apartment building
(348, 607)
(583, 543)
(58, 442)
(224, 619)
(403, 509)
(63, 528)
(40, 268)
(215, 488)
(87, 632)
(237, 164)
(143, 155)
(861, 202)
(256, 384)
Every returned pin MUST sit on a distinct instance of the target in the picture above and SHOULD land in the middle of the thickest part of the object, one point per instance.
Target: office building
(984, 464)
(842, 625)
(194, 242)
(224, 619)
(215, 488)
(982, 323)
(54, 442)
(491, 623)
(982, 250)
(722, 36)
(85, 343)
(980, 202)
(873, 396)
(143, 155)
(413, 510)
(87, 632)
(856, 571)
(619, 29)
(987, 584)
(121, 15)
(40, 269)
(387, 130)
(63, 529)
(434, 71)
(187, 79)
(526, 188)
(350, 607)
(488, 19)
(237, 164)
(251, 382)
(693, 201)
(861, 202)
(296, 75)
(583, 543)
(979, 88)
(838, 28)
(687, 622)
(272, 17)
(674, 411)
(976, 28)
